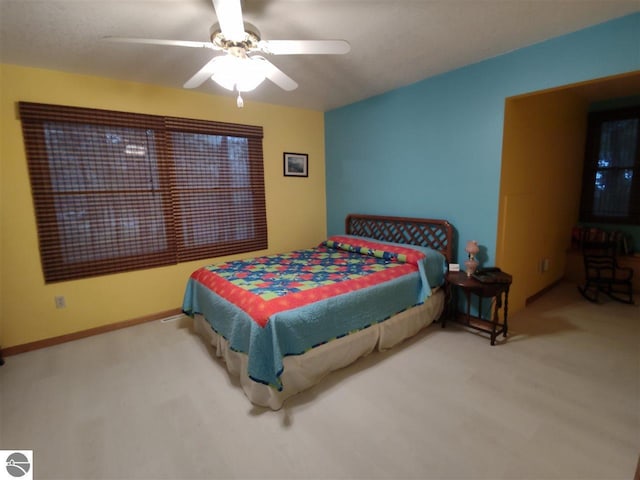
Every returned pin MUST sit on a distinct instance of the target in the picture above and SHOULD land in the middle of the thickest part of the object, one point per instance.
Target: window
(117, 191)
(611, 182)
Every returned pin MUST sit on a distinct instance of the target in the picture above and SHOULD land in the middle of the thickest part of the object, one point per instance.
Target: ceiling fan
(241, 65)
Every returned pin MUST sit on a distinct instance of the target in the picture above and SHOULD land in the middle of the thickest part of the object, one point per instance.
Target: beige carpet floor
(560, 399)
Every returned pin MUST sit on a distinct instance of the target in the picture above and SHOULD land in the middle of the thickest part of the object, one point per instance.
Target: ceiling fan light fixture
(241, 74)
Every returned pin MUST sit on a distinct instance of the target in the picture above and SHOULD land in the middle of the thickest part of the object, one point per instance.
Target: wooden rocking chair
(603, 274)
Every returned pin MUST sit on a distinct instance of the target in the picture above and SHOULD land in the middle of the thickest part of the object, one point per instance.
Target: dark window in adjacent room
(611, 181)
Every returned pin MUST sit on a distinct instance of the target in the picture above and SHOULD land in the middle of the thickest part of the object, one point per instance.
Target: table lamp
(472, 250)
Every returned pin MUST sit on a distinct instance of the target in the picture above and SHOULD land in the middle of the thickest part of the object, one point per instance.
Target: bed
(283, 322)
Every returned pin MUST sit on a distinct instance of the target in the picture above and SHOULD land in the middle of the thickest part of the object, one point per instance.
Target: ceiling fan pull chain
(239, 100)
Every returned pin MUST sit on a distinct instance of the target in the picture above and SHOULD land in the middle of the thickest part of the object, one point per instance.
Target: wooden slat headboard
(425, 232)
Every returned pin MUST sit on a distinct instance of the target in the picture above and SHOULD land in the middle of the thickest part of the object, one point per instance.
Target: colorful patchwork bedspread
(272, 306)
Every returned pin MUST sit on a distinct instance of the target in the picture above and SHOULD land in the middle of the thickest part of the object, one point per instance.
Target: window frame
(591, 167)
(35, 116)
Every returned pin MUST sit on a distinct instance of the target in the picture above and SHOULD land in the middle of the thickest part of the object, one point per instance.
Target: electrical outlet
(60, 301)
(545, 264)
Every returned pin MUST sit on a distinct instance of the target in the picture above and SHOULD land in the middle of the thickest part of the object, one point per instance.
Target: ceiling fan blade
(155, 41)
(313, 47)
(229, 13)
(201, 75)
(276, 75)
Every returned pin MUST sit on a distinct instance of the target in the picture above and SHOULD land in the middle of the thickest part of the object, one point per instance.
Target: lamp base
(470, 266)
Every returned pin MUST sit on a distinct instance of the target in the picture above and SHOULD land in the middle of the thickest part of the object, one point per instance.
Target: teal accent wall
(433, 149)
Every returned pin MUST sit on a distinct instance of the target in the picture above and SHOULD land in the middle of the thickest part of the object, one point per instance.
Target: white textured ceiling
(393, 42)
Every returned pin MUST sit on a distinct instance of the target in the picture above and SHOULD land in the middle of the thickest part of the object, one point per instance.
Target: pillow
(432, 264)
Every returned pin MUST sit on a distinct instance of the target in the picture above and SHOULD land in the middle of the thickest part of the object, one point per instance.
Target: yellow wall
(542, 158)
(296, 207)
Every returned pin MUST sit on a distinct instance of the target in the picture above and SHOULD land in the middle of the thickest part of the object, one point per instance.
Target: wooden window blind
(117, 191)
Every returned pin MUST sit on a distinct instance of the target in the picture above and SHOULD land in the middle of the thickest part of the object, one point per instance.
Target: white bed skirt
(303, 371)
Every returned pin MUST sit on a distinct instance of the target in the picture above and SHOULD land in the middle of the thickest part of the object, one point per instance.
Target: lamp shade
(472, 247)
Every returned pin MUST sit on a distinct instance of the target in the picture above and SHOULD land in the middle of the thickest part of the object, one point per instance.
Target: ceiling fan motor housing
(249, 43)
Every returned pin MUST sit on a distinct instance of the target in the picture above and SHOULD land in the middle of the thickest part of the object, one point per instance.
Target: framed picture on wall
(296, 164)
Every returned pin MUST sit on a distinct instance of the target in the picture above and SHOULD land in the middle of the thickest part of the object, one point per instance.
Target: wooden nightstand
(496, 292)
